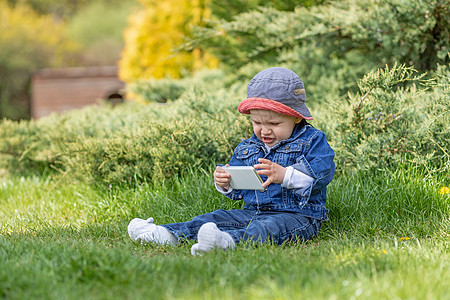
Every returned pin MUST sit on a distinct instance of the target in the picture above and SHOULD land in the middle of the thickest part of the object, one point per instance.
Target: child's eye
(274, 124)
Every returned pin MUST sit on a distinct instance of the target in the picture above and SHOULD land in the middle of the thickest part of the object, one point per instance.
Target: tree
(154, 36)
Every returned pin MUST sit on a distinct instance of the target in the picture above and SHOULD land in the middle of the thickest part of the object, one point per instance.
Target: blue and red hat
(276, 89)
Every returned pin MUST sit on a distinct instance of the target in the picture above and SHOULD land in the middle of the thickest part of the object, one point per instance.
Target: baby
(292, 157)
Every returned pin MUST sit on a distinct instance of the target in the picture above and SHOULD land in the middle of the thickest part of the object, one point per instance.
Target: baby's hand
(274, 172)
(222, 178)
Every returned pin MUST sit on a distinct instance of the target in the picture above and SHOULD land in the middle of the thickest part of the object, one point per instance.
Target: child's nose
(265, 130)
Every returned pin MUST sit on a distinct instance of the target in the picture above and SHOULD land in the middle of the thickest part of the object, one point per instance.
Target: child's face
(272, 127)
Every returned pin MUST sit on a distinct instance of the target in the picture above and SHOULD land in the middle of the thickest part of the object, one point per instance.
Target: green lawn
(388, 238)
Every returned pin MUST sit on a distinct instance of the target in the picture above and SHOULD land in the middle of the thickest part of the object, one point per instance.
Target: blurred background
(36, 34)
(133, 40)
(54, 34)
(168, 75)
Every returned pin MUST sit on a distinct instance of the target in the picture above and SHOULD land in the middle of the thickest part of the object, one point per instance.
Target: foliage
(193, 137)
(331, 45)
(30, 147)
(159, 90)
(29, 42)
(48, 33)
(163, 90)
(396, 117)
(399, 117)
(154, 34)
(98, 28)
(128, 143)
(59, 9)
(229, 9)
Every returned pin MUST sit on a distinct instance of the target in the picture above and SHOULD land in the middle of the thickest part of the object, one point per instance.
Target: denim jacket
(306, 151)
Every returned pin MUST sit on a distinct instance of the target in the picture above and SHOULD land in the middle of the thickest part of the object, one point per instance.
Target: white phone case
(244, 178)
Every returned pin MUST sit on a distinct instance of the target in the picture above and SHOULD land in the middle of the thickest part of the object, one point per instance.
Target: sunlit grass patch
(386, 237)
(33, 203)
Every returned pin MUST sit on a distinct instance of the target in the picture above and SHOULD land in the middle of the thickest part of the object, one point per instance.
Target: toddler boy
(292, 157)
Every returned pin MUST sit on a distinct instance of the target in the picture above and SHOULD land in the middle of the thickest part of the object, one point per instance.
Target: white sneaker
(210, 237)
(146, 231)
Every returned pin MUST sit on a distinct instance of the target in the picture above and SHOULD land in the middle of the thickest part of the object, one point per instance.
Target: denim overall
(277, 214)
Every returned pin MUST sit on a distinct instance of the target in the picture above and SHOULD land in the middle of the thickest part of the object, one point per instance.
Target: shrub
(332, 45)
(201, 133)
(35, 145)
(163, 90)
(129, 143)
(396, 118)
(157, 90)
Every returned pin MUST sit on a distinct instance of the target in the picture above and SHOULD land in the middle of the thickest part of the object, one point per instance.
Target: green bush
(35, 145)
(396, 118)
(201, 133)
(164, 90)
(157, 90)
(129, 143)
(22, 147)
(331, 45)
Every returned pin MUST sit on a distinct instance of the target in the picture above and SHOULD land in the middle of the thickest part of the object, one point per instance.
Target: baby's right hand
(222, 178)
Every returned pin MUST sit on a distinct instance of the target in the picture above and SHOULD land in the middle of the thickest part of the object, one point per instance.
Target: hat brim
(268, 104)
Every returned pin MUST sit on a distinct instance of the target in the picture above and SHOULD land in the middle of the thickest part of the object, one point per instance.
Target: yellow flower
(444, 190)
(404, 238)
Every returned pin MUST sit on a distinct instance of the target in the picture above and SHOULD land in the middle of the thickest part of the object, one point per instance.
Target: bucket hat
(276, 89)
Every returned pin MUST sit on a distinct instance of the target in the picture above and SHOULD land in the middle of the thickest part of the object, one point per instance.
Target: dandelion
(404, 238)
(444, 190)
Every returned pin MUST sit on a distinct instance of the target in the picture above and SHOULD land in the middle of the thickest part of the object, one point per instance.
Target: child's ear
(298, 120)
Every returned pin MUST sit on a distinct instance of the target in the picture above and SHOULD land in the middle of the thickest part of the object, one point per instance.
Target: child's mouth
(268, 140)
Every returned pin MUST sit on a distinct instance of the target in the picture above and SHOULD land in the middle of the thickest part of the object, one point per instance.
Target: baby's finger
(220, 169)
(267, 182)
(221, 173)
(263, 172)
(264, 161)
(222, 181)
(223, 176)
(261, 166)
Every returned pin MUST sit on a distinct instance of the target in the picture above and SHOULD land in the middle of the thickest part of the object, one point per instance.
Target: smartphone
(244, 178)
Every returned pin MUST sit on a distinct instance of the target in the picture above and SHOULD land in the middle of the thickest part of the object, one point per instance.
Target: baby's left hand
(274, 172)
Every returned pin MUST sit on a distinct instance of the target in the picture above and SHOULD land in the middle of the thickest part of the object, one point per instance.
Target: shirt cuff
(294, 179)
(222, 190)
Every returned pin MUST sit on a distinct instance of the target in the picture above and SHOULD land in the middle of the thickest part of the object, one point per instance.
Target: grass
(388, 237)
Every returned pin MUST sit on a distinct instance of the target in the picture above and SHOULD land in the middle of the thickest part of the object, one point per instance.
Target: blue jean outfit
(277, 214)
